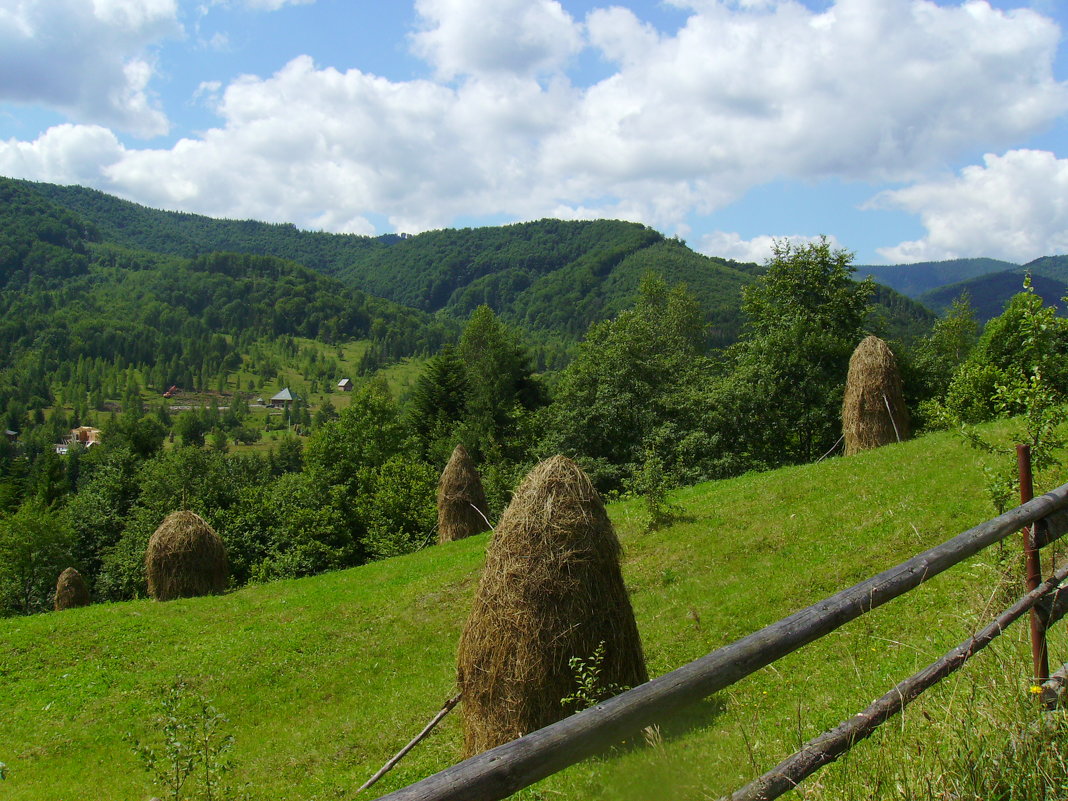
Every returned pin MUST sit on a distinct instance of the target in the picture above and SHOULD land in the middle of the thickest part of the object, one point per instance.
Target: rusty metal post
(1039, 655)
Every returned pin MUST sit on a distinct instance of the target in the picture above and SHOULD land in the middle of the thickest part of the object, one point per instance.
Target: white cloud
(63, 154)
(86, 58)
(488, 37)
(1014, 207)
(742, 94)
(729, 245)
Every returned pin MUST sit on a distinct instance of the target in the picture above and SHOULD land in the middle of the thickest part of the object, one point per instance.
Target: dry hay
(462, 507)
(551, 590)
(71, 590)
(873, 409)
(185, 557)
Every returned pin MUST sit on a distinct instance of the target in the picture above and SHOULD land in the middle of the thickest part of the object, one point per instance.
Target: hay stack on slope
(185, 557)
(71, 590)
(551, 590)
(462, 509)
(873, 410)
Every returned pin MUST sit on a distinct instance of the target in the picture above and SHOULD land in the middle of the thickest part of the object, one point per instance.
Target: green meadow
(322, 679)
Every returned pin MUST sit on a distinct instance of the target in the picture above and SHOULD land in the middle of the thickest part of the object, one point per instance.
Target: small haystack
(185, 557)
(873, 410)
(462, 509)
(71, 590)
(551, 590)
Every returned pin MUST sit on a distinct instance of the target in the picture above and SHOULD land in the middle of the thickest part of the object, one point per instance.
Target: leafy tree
(35, 547)
(625, 392)
(399, 511)
(283, 529)
(1027, 340)
(190, 428)
(782, 395)
(940, 353)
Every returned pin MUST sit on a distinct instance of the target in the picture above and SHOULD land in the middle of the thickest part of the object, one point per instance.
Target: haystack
(462, 509)
(551, 590)
(71, 590)
(873, 410)
(185, 557)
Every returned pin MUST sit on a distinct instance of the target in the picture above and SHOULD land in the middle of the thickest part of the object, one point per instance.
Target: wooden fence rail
(832, 744)
(501, 771)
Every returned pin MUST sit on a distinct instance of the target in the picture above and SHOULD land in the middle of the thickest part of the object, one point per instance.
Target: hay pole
(830, 745)
(382, 771)
(488, 523)
(836, 444)
(501, 771)
(893, 422)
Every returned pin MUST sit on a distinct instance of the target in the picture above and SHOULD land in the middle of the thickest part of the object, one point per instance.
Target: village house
(86, 436)
(282, 399)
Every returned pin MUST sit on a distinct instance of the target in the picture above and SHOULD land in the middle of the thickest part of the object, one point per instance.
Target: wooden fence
(501, 771)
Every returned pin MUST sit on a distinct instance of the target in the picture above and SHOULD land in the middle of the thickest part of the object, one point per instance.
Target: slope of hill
(990, 293)
(915, 279)
(551, 277)
(180, 234)
(1055, 267)
(66, 297)
(322, 679)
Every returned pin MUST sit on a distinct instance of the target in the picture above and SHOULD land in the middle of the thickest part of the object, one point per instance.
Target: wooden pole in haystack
(462, 509)
(71, 590)
(551, 590)
(873, 409)
(185, 558)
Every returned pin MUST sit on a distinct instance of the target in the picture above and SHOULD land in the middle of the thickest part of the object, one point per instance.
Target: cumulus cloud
(487, 37)
(63, 154)
(687, 122)
(86, 58)
(759, 249)
(1013, 207)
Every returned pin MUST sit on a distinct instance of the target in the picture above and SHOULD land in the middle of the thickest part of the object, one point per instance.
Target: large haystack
(462, 509)
(551, 590)
(873, 410)
(185, 557)
(71, 590)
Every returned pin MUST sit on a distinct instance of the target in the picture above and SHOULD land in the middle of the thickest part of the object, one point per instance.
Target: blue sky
(905, 130)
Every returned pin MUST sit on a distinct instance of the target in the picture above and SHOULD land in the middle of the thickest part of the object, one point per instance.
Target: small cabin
(345, 385)
(282, 399)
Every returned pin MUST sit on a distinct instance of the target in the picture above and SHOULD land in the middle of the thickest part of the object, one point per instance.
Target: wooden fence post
(1039, 655)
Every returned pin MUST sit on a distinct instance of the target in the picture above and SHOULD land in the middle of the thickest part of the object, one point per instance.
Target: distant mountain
(989, 293)
(67, 293)
(916, 279)
(551, 277)
(1055, 267)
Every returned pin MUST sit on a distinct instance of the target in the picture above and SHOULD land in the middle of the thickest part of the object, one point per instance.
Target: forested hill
(916, 279)
(551, 277)
(65, 296)
(180, 234)
(989, 293)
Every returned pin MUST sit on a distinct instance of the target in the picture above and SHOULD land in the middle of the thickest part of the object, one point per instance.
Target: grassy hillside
(323, 678)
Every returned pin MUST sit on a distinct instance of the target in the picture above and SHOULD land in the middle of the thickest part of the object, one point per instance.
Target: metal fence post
(1039, 656)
